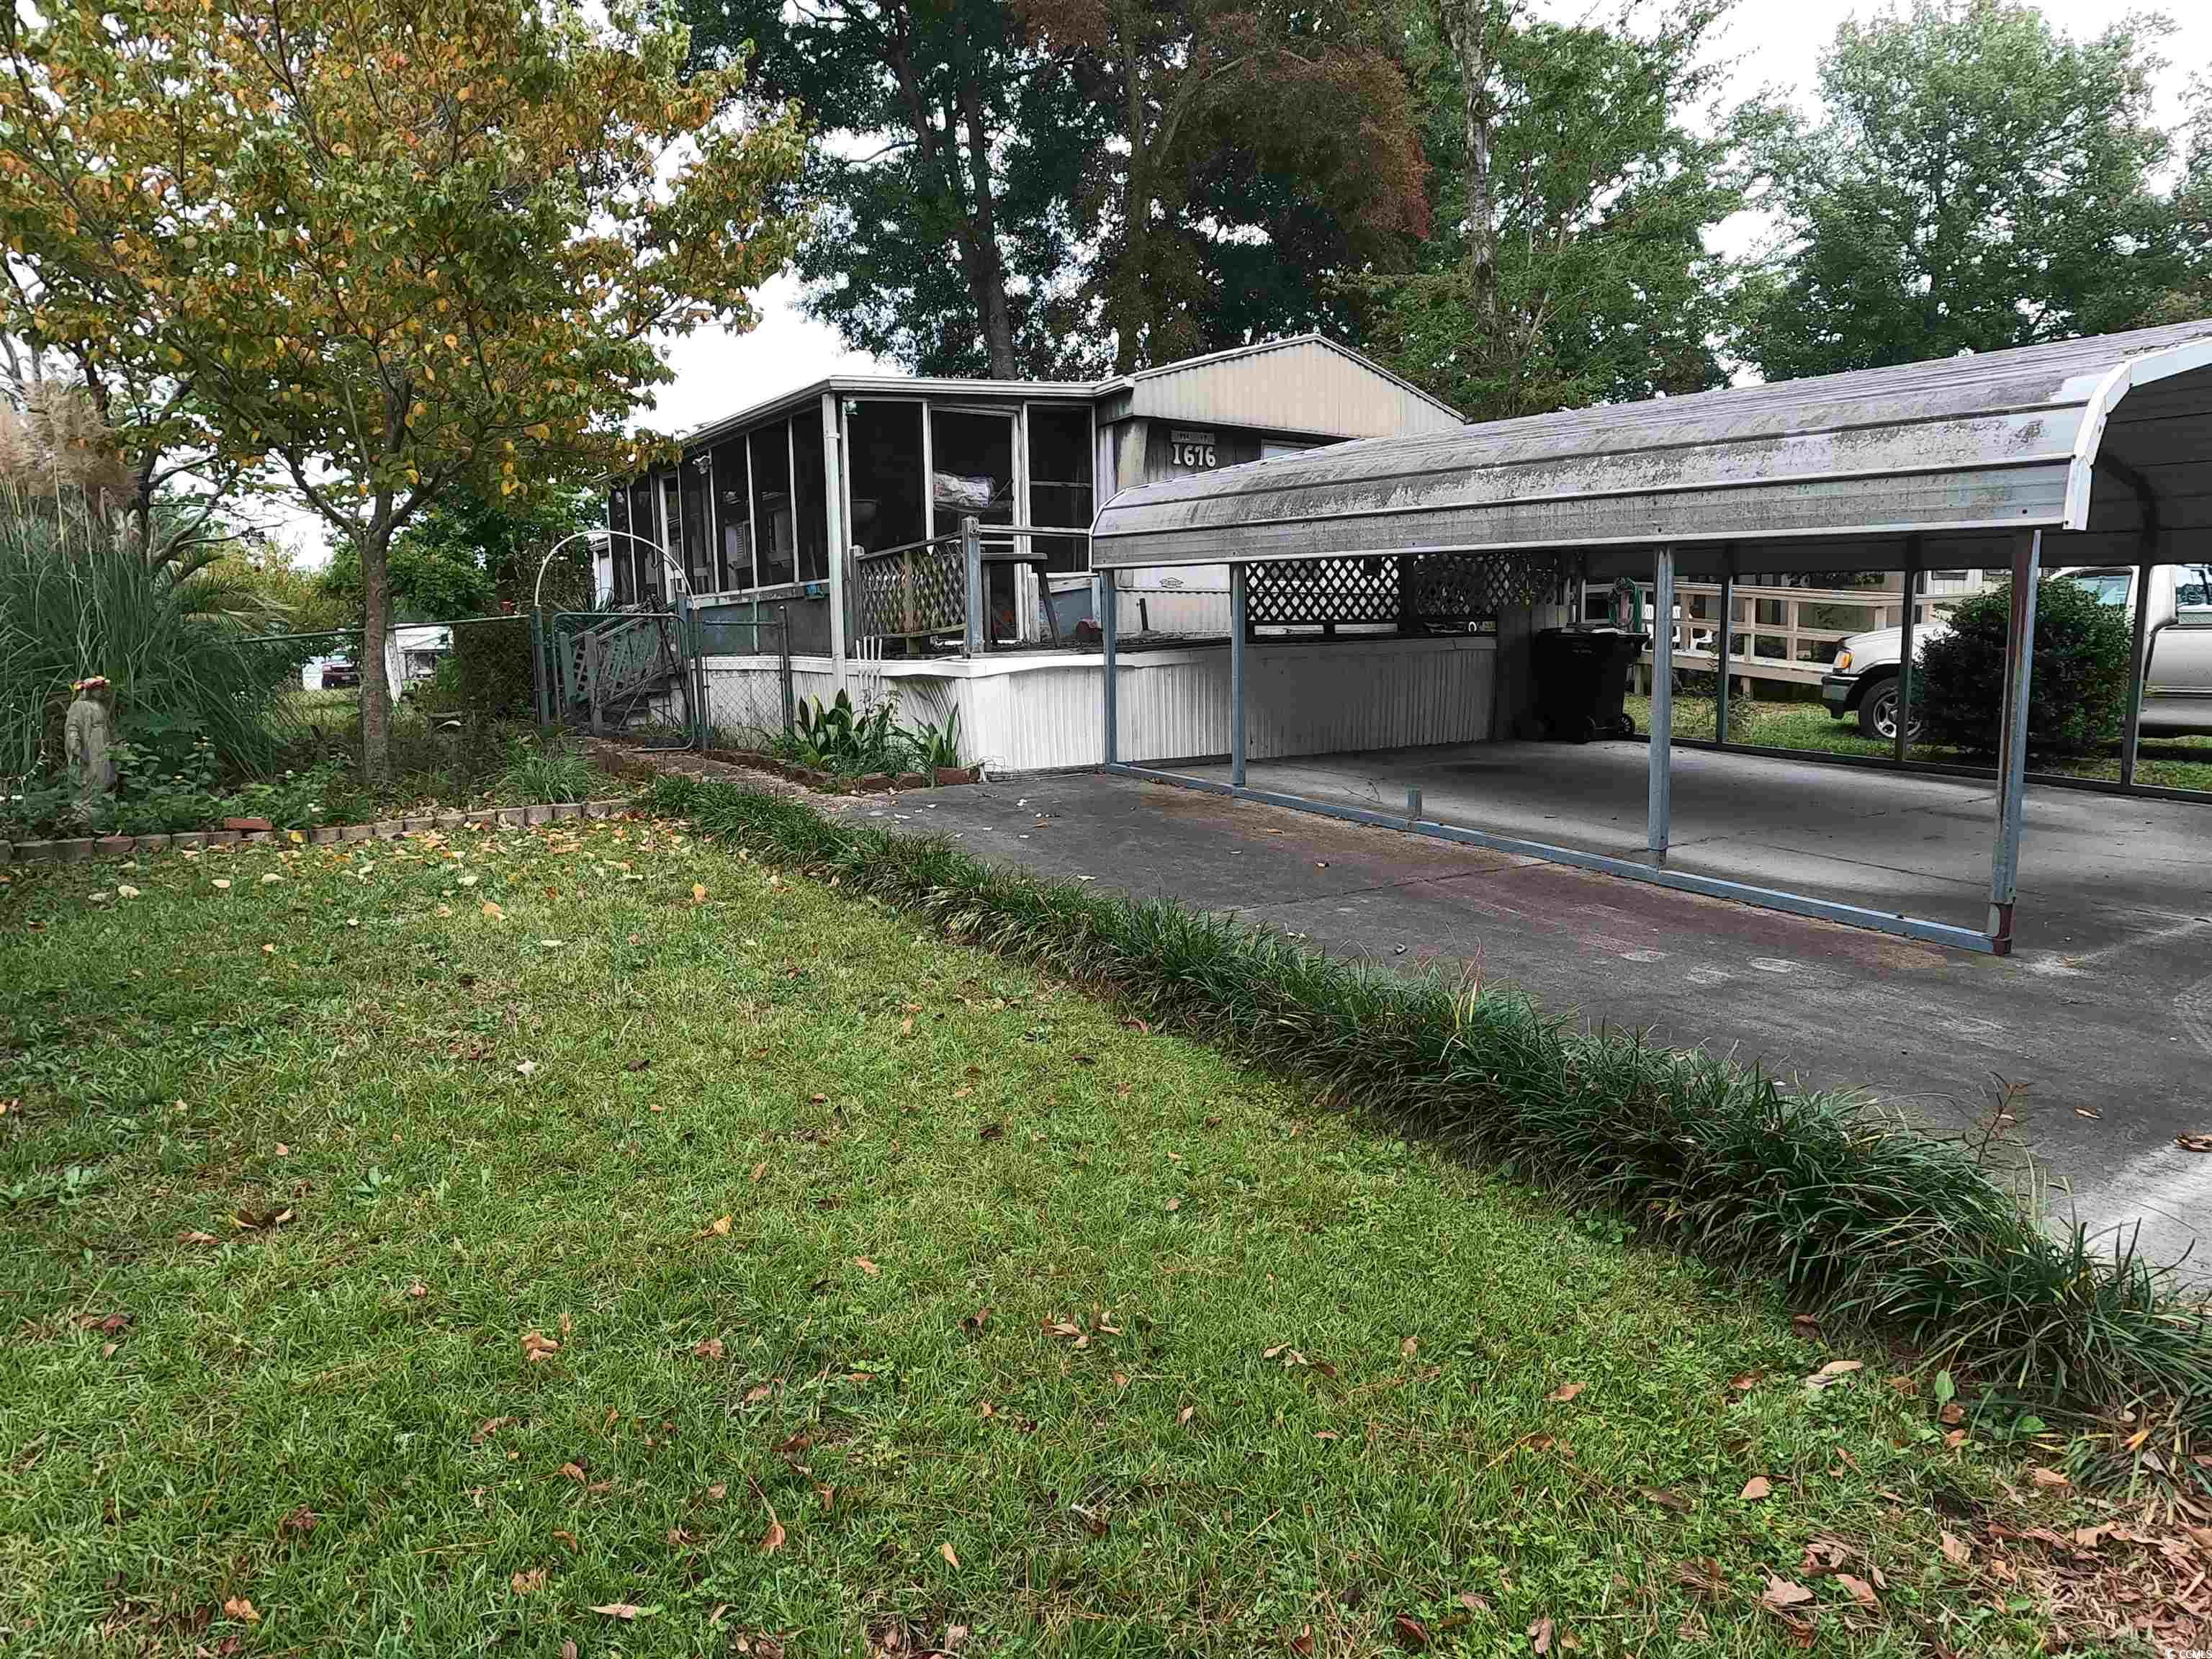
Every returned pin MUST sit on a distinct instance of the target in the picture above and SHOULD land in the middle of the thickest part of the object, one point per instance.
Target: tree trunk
(1126, 291)
(1467, 26)
(987, 272)
(375, 623)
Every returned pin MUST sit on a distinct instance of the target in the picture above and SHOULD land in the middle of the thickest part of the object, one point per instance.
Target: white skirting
(1027, 712)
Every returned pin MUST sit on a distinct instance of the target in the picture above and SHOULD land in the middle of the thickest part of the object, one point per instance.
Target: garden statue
(85, 737)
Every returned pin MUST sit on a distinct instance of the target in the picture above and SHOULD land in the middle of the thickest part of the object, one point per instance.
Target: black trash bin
(1582, 677)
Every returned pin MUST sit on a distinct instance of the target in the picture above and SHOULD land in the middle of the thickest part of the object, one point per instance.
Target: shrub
(538, 771)
(176, 639)
(1853, 1211)
(491, 669)
(2078, 697)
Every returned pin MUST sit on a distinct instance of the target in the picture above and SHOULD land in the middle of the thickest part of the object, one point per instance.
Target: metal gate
(659, 678)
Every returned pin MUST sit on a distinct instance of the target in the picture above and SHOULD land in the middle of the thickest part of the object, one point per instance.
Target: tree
(1260, 146)
(1569, 266)
(398, 250)
(469, 556)
(1977, 181)
(954, 152)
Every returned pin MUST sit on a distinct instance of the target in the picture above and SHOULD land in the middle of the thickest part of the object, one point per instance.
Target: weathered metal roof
(2088, 435)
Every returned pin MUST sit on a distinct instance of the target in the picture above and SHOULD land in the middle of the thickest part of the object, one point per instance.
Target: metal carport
(2099, 446)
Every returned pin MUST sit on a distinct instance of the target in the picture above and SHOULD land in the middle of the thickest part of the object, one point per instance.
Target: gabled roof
(1307, 383)
(2086, 435)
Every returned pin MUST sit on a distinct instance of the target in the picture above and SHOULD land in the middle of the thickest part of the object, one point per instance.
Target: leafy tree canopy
(1977, 180)
(396, 250)
(1574, 192)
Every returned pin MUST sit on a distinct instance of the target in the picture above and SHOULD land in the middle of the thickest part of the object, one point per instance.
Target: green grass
(1031, 1320)
(2170, 763)
(437, 760)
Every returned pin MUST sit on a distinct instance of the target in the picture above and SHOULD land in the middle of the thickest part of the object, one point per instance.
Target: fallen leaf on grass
(260, 1220)
(718, 1228)
(1665, 1500)
(709, 1348)
(1564, 1393)
(1861, 1592)
(1173, 1205)
(975, 1322)
(1833, 1373)
(1759, 1486)
(525, 1067)
(698, 893)
(300, 1523)
(1185, 1414)
(866, 1266)
(222, 881)
(759, 1171)
(488, 1427)
(1540, 1636)
(198, 1238)
(1412, 1635)
(2049, 1478)
(1745, 1382)
(496, 914)
(759, 1392)
(772, 1539)
(537, 1345)
(239, 1607)
(575, 1472)
(950, 1559)
(1784, 1593)
(1956, 1550)
(528, 1584)
(628, 1612)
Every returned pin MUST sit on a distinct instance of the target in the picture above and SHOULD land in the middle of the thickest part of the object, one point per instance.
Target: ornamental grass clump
(1858, 1214)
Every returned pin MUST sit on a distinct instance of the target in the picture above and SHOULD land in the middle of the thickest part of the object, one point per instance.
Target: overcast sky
(1777, 42)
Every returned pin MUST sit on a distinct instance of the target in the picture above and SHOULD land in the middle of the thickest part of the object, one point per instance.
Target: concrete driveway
(2103, 1019)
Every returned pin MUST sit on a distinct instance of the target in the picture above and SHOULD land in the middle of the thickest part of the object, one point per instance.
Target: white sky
(1777, 42)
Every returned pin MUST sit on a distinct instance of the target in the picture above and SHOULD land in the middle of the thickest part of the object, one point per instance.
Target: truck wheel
(1878, 714)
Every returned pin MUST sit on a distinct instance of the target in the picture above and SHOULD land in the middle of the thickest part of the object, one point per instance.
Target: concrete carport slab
(2105, 1015)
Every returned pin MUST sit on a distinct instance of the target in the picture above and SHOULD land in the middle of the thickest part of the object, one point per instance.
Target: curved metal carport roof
(2105, 443)
(2088, 436)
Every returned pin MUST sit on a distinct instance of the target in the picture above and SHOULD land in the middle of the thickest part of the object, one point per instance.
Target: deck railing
(929, 591)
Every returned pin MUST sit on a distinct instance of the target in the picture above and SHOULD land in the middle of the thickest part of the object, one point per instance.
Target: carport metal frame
(2004, 860)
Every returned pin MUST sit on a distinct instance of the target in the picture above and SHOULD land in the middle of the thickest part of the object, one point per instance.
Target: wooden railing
(1789, 634)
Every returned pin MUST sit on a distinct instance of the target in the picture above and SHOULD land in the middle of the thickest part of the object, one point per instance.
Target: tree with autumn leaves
(393, 250)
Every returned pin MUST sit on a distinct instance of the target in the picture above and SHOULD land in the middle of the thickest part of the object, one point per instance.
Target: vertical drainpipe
(1659, 811)
(1236, 610)
(2012, 752)
(1108, 627)
(1905, 650)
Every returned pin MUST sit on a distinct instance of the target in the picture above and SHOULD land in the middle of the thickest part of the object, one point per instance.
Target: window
(698, 556)
(2110, 587)
(812, 491)
(775, 542)
(1060, 493)
(2193, 596)
(734, 562)
(972, 466)
(883, 441)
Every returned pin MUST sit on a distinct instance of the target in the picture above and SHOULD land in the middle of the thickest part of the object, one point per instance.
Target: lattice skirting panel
(1424, 588)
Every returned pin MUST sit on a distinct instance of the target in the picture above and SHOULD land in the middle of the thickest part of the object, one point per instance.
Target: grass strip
(1856, 1213)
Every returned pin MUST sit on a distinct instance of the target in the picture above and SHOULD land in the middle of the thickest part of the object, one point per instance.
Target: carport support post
(1720, 646)
(2137, 666)
(1108, 627)
(1904, 676)
(1659, 814)
(1236, 675)
(2012, 751)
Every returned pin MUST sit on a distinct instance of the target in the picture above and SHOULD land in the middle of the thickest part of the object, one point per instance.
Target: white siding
(1042, 712)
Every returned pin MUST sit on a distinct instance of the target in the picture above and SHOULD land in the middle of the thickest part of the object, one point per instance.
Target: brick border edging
(81, 848)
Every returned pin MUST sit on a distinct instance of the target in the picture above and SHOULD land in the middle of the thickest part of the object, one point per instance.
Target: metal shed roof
(1307, 383)
(2094, 436)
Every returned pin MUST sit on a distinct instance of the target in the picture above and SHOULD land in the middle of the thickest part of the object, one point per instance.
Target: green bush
(1853, 1211)
(174, 638)
(2079, 696)
(491, 670)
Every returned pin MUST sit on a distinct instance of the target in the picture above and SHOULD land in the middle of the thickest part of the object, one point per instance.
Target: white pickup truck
(2177, 642)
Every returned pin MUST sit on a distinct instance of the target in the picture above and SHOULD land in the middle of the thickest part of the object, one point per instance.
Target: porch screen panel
(884, 450)
(775, 545)
(700, 567)
(811, 494)
(733, 503)
(1061, 483)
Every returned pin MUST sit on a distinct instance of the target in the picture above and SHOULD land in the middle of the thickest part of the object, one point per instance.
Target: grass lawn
(2171, 762)
(585, 1236)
